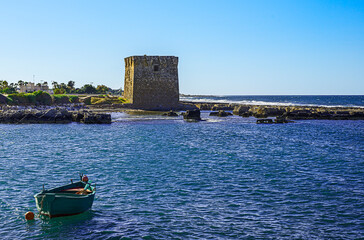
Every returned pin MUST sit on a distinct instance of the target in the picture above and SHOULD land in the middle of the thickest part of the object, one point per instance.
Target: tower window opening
(156, 68)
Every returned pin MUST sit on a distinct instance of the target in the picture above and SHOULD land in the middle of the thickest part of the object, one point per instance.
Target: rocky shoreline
(288, 112)
(100, 114)
(53, 115)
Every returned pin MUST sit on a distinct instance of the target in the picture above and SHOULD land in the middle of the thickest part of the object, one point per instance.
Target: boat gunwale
(65, 195)
(59, 193)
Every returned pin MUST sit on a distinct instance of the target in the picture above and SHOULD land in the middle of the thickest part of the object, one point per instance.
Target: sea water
(164, 178)
(289, 100)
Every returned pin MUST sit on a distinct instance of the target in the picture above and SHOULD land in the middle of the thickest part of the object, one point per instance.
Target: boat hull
(57, 204)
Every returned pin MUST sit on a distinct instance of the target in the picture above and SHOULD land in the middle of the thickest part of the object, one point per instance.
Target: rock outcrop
(194, 115)
(54, 115)
(221, 113)
(240, 110)
(96, 118)
(3, 99)
(288, 112)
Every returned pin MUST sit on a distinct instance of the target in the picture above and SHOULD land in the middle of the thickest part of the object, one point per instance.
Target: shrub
(43, 98)
(74, 99)
(22, 98)
(87, 100)
(88, 88)
(9, 101)
(31, 98)
(8, 90)
(60, 99)
(59, 91)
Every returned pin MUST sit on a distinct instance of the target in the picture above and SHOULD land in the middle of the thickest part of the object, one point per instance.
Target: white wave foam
(118, 115)
(254, 102)
(122, 116)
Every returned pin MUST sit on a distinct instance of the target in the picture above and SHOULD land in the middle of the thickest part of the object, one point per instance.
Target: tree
(55, 85)
(88, 88)
(102, 89)
(59, 91)
(63, 85)
(3, 84)
(8, 90)
(71, 84)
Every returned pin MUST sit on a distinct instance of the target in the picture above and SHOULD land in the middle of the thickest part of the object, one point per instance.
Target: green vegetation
(62, 88)
(44, 98)
(74, 99)
(38, 97)
(105, 99)
(7, 88)
(60, 99)
(61, 94)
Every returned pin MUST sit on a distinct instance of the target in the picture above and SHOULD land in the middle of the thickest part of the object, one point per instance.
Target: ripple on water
(166, 179)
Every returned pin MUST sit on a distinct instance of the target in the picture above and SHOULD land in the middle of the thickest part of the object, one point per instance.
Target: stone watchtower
(151, 82)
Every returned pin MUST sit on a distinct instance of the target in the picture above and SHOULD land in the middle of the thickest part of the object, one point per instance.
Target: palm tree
(55, 85)
(71, 84)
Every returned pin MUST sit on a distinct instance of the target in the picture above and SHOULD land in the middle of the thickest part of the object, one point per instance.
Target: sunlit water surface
(163, 178)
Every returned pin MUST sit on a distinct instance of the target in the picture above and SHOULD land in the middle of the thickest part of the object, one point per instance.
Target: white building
(31, 87)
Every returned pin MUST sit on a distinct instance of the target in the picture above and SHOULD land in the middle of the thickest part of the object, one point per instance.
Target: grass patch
(104, 99)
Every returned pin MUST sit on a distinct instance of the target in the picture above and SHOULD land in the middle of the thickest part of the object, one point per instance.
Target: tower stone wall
(151, 82)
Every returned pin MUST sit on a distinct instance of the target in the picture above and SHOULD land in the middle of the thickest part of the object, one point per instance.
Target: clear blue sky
(224, 47)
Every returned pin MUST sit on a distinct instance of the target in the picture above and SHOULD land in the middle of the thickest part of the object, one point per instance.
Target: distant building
(31, 87)
(151, 82)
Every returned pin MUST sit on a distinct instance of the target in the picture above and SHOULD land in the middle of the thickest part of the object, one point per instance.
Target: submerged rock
(265, 121)
(280, 120)
(246, 115)
(170, 114)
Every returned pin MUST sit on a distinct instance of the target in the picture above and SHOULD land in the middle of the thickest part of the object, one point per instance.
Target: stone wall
(151, 82)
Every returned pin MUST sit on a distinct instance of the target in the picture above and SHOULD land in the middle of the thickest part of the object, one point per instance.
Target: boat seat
(73, 189)
(80, 191)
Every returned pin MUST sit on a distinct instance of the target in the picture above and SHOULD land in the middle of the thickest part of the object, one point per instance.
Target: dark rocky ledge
(287, 112)
(54, 115)
(192, 115)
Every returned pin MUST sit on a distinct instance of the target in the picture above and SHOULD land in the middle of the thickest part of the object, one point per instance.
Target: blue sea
(289, 100)
(164, 178)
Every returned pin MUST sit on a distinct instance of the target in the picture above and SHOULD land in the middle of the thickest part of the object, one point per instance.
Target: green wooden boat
(67, 200)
